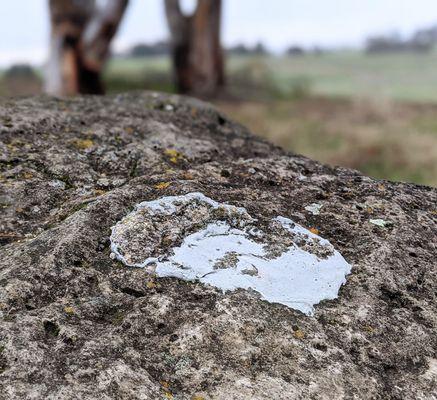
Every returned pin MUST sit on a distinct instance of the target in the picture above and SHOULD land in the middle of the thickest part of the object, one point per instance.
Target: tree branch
(177, 21)
(99, 32)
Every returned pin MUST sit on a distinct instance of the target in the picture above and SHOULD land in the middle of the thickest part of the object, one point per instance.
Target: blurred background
(349, 82)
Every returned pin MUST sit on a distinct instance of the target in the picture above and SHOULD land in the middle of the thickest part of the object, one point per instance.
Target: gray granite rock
(78, 324)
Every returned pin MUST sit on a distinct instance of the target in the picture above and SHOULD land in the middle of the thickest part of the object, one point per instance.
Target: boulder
(76, 322)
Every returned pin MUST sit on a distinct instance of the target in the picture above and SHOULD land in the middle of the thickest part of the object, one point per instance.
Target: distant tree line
(421, 41)
(159, 48)
(259, 49)
(163, 48)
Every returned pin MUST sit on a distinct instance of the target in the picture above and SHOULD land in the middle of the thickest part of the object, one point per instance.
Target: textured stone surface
(76, 324)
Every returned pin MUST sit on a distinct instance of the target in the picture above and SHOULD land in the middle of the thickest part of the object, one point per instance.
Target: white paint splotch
(226, 248)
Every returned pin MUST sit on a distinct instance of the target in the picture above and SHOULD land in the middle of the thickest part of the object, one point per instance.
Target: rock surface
(78, 324)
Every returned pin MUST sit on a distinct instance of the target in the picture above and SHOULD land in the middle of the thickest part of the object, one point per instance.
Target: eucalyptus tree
(81, 34)
(196, 49)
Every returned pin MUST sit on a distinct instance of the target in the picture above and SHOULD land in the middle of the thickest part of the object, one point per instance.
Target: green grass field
(410, 77)
(377, 114)
(406, 77)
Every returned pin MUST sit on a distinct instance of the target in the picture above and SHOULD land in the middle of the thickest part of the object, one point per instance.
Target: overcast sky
(24, 25)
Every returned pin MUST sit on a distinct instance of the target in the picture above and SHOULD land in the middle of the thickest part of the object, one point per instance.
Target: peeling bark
(80, 39)
(197, 53)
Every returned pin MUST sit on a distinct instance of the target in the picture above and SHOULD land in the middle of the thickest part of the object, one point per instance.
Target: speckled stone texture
(76, 324)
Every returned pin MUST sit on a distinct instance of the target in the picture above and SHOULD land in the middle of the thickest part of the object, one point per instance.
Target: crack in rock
(193, 237)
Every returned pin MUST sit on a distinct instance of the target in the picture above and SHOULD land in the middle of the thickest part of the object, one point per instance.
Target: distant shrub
(241, 49)
(299, 88)
(20, 80)
(295, 51)
(257, 80)
(251, 78)
(260, 49)
(426, 36)
(160, 48)
(418, 43)
(20, 71)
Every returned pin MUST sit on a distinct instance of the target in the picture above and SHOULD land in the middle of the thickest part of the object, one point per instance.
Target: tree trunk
(197, 53)
(80, 39)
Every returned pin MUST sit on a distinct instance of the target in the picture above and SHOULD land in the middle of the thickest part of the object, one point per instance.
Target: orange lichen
(173, 155)
(69, 310)
(369, 329)
(298, 334)
(187, 176)
(27, 175)
(162, 185)
(83, 144)
(165, 386)
(150, 285)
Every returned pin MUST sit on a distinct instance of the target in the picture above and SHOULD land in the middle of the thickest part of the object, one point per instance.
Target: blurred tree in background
(196, 49)
(81, 33)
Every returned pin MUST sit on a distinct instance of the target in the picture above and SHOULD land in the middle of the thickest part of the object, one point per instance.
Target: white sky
(24, 25)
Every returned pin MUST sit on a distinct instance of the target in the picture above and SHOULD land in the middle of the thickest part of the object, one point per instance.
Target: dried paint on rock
(193, 237)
